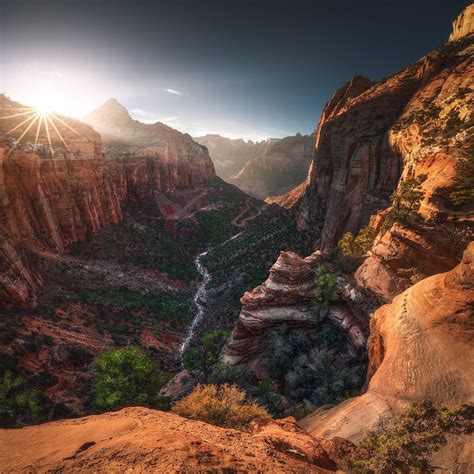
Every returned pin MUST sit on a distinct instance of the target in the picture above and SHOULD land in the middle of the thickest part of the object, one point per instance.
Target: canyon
(121, 233)
(267, 168)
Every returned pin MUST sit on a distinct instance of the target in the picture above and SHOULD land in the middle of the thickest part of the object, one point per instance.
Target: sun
(44, 109)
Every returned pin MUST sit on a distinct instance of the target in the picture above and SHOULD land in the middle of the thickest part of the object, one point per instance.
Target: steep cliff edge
(418, 349)
(370, 137)
(57, 186)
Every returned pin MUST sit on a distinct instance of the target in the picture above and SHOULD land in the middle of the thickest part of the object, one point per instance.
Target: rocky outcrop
(416, 122)
(463, 25)
(286, 297)
(143, 440)
(418, 348)
(280, 167)
(58, 186)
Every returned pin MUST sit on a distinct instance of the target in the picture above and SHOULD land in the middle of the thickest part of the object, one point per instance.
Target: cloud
(173, 91)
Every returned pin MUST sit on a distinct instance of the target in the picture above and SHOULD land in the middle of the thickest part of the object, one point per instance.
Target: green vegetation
(206, 354)
(239, 375)
(407, 446)
(267, 397)
(326, 289)
(357, 247)
(126, 377)
(162, 306)
(464, 180)
(406, 201)
(18, 403)
(224, 405)
(313, 363)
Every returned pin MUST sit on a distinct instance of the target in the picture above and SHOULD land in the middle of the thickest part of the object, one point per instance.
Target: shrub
(358, 246)
(406, 202)
(407, 446)
(126, 377)
(207, 354)
(239, 375)
(223, 405)
(267, 397)
(314, 363)
(17, 403)
(326, 292)
(464, 181)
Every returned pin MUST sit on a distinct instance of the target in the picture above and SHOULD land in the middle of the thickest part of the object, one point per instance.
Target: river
(201, 294)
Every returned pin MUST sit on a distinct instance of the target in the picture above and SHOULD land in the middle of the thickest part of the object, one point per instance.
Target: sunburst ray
(19, 125)
(31, 111)
(25, 132)
(48, 118)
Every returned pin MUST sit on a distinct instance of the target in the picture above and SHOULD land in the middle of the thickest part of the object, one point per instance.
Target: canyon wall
(416, 122)
(418, 349)
(49, 200)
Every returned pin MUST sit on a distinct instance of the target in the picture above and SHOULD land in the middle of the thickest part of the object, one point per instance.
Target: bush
(464, 181)
(126, 377)
(358, 246)
(314, 363)
(239, 375)
(326, 292)
(406, 202)
(223, 405)
(18, 405)
(207, 354)
(407, 446)
(267, 397)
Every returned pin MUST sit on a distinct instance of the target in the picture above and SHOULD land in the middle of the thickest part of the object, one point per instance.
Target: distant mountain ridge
(261, 169)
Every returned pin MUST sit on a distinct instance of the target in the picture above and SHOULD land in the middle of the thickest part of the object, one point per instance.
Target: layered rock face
(418, 349)
(51, 199)
(155, 157)
(416, 122)
(281, 166)
(286, 297)
(143, 440)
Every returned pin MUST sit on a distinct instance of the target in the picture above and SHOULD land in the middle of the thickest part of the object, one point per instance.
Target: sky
(240, 68)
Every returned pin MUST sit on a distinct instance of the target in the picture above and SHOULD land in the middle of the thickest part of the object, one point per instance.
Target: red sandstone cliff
(419, 348)
(53, 196)
(417, 121)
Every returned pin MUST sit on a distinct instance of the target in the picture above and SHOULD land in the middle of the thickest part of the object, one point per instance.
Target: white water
(200, 294)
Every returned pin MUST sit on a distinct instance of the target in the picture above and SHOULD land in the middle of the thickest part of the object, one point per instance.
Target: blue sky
(251, 69)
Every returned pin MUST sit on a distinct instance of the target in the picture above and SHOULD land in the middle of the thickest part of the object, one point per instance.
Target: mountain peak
(463, 25)
(111, 115)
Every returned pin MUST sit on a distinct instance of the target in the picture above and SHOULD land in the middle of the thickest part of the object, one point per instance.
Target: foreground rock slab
(143, 440)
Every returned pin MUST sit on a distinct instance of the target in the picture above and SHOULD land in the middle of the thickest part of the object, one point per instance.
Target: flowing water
(201, 294)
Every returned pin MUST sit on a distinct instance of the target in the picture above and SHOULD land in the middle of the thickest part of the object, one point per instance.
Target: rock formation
(416, 122)
(419, 348)
(463, 25)
(49, 200)
(282, 165)
(286, 297)
(143, 440)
